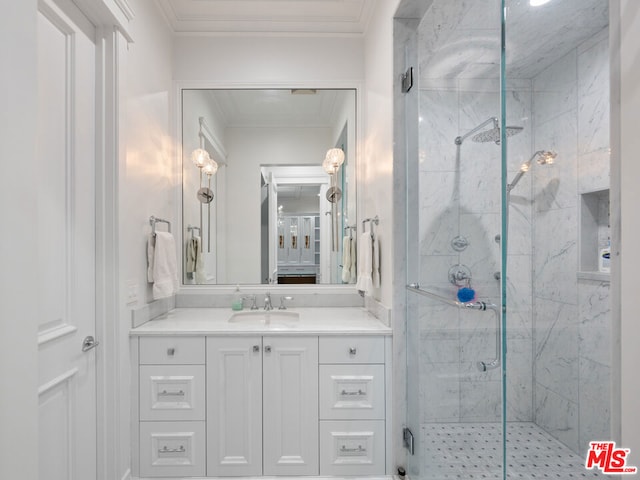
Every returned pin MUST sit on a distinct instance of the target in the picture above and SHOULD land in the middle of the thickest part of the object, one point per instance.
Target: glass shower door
(454, 245)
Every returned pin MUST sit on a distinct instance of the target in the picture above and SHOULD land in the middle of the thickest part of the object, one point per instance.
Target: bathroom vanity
(283, 393)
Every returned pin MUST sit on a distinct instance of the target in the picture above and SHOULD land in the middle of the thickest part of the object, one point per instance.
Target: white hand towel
(191, 255)
(201, 275)
(376, 263)
(353, 272)
(151, 251)
(365, 257)
(346, 259)
(165, 266)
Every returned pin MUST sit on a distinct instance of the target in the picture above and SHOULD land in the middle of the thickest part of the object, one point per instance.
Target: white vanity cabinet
(261, 404)
(262, 413)
(352, 405)
(171, 395)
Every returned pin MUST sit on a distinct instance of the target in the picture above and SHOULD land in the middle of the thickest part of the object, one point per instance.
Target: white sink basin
(271, 318)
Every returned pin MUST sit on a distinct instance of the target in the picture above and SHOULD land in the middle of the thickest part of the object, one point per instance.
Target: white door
(290, 405)
(66, 245)
(234, 406)
(273, 230)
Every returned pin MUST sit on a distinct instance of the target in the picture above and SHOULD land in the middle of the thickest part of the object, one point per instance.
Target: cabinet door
(234, 410)
(307, 239)
(290, 399)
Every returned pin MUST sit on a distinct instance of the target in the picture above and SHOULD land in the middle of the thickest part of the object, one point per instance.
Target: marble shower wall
(460, 196)
(571, 311)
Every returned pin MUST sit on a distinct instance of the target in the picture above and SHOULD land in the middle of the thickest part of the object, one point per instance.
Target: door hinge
(407, 440)
(407, 80)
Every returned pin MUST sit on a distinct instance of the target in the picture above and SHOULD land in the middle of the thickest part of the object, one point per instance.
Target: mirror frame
(358, 87)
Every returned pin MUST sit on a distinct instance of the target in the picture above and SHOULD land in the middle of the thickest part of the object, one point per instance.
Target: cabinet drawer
(172, 392)
(172, 350)
(172, 449)
(350, 392)
(352, 448)
(349, 349)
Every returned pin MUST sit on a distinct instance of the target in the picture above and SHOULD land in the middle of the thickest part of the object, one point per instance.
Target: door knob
(88, 343)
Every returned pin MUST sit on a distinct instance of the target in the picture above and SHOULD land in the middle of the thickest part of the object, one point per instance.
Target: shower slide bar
(415, 288)
(481, 306)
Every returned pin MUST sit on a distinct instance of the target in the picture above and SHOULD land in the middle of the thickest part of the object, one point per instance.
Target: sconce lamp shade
(333, 160)
(335, 156)
(200, 157)
(329, 167)
(211, 167)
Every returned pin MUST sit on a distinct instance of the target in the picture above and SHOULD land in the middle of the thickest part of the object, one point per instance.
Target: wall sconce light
(333, 160)
(208, 166)
(331, 164)
(200, 157)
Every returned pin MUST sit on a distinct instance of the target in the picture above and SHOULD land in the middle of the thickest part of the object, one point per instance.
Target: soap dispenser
(236, 301)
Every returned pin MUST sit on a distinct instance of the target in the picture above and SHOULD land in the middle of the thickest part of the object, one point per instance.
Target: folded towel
(151, 251)
(353, 272)
(163, 265)
(191, 255)
(201, 276)
(375, 277)
(346, 259)
(365, 263)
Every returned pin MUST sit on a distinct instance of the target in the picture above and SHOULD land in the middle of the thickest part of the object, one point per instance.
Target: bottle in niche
(604, 258)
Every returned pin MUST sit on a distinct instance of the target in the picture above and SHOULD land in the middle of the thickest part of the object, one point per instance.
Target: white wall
(18, 308)
(377, 168)
(285, 61)
(147, 175)
(247, 149)
(625, 118)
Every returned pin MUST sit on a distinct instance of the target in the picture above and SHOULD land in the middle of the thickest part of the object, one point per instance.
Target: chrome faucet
(267, 302)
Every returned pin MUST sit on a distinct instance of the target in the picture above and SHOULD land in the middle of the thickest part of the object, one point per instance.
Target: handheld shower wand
(544, 157)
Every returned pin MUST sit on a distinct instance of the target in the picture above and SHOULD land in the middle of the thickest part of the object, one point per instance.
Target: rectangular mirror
(258, 205)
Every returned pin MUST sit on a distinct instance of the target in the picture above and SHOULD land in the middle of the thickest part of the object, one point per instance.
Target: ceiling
(331, 17)
(280, 107)
(462, 39)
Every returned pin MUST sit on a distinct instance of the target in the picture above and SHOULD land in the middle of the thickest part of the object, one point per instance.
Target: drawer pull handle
(358, 449)
(179, 393)
(267, 349)
(165, 449)
(256, 348)
(171, 351)
(345, 393)
(352, 350)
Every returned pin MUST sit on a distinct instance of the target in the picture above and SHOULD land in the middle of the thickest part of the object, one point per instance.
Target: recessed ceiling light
(537, 3)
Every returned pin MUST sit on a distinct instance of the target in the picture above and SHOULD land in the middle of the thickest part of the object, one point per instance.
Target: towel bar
(153, 220)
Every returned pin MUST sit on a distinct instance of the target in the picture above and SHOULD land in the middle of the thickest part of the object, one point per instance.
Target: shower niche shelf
(594, 233)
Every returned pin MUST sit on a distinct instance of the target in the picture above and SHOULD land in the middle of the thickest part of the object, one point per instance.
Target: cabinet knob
(267, 349)
(352, 350)
(256, 348)
(171, 351)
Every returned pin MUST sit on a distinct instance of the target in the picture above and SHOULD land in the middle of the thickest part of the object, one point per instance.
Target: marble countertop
(294, 321)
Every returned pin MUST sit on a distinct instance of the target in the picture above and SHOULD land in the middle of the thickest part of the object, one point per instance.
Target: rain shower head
(491, 135)
(542, 157)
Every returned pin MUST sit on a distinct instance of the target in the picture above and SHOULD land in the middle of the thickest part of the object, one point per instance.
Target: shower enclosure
(506, 163)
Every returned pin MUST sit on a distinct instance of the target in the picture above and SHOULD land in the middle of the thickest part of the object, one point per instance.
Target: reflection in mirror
(278, 206)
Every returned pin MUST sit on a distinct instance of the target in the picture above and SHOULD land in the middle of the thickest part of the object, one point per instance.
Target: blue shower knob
(466, 294)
